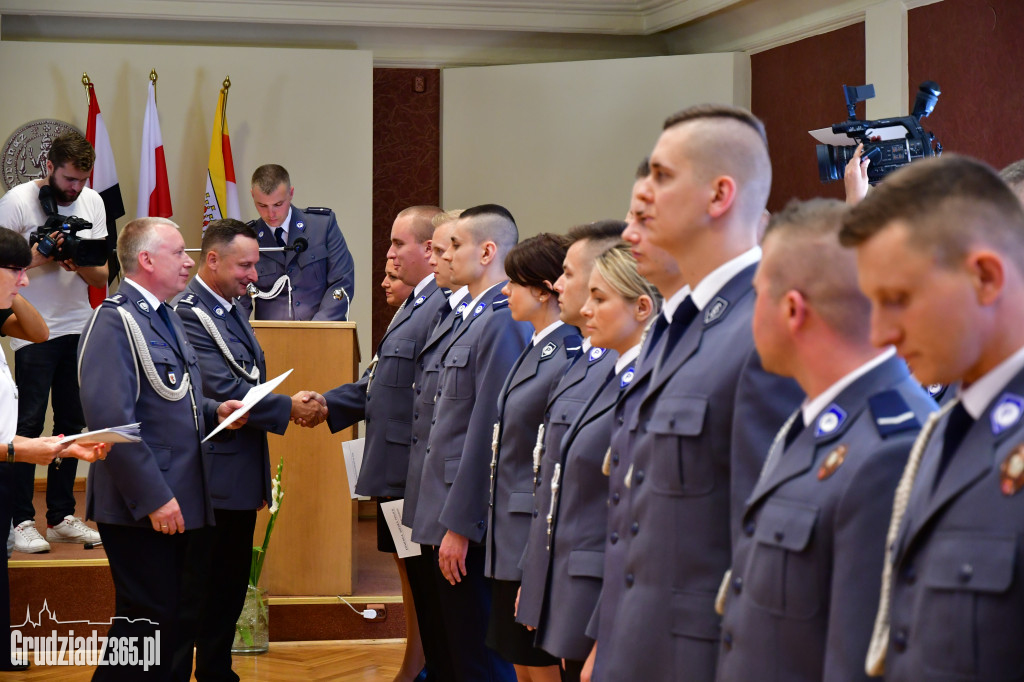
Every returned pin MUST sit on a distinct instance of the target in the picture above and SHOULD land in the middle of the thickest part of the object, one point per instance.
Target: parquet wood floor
(356, 660)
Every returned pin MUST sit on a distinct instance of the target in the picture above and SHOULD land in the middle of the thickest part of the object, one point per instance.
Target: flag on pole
(221, 190)
(103, 179)
(154, 192)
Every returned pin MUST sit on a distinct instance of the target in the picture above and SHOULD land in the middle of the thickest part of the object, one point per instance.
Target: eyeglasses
(15, 269)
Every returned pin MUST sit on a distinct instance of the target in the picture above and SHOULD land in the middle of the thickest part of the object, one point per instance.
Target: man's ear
(489, 251)
(988, 275)
(723, 196)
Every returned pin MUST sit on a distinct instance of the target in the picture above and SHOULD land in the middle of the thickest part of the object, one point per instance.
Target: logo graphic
(24, 153)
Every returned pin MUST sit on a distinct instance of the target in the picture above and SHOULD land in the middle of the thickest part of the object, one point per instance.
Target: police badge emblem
(547, 350)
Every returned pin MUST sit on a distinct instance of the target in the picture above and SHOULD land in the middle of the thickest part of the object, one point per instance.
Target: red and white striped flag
(154, 192)
(221, 190)
(103, 179)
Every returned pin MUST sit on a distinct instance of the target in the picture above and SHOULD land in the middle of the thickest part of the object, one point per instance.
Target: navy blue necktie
(958, 424)
(681, 319)
(279, 236)
(166, 317)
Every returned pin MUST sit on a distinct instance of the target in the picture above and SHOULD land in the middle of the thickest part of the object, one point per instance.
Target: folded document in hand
(129, 433)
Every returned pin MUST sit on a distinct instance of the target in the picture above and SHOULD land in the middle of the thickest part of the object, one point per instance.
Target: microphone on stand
(340, 293)
(300, 245)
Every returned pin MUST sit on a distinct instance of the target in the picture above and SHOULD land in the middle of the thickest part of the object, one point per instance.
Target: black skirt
(511, 640)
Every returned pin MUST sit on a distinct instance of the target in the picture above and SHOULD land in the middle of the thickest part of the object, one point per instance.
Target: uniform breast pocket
(967, 575)
(314, 263)
(456, 375)
(397, 364)
(679, 466)
(167, 365)
(779, 576)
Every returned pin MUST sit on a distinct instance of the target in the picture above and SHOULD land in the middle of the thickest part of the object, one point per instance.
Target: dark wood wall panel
(974, 50)
(796, 88)
(406, 161)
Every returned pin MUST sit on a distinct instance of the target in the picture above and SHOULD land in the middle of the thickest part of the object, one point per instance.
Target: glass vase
(252, 631)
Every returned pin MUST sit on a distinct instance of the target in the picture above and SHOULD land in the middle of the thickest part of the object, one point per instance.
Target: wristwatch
(10, 453)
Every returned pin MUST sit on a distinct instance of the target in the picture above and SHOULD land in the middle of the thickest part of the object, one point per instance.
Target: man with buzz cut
(940, 254)
(798, 602)
(232, 362)
(452, 508)
(709, 410)
(312, 279)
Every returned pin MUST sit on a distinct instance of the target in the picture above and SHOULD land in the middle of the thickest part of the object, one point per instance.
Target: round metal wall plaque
(24, 153)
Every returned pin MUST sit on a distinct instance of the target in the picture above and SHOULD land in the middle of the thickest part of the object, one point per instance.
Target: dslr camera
(890, 143)
(67, 245)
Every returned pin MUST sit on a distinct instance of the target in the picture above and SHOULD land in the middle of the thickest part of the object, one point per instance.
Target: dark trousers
(150, 597)
(45, 372)
(420, 570)
(226, 552)
(466, 610)
(572, 670)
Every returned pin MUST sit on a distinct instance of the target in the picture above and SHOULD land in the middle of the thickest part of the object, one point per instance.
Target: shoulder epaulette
(188, 299)
(115, 300)
(892, 414)
(500, 302)
(252, 223)
(320, 210)
(573, 345)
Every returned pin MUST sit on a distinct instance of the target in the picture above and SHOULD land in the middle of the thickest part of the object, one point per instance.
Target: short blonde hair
(618, 267)
(446, 217)
(137, 236)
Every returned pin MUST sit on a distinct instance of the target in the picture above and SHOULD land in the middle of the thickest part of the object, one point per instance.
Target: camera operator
(48, 369)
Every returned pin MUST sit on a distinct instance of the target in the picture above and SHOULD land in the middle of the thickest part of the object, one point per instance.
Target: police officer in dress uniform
(617, 312)
(531, 266)
(451, 513)
(709, 411)
(232, 362)
(384, 398)
(584, 377)
(940, 253)
(149, 498)
(316, 284)
(799, 599)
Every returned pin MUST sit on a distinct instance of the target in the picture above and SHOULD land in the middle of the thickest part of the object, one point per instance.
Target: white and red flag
(103, 179)
(221, 190)
(154, 191)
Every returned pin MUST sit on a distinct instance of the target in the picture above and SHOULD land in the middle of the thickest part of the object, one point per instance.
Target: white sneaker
(72, 529)
(28, 540)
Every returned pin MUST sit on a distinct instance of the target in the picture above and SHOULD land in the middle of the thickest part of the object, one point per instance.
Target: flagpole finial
(227, 83)
(85, 81)
(152, 75)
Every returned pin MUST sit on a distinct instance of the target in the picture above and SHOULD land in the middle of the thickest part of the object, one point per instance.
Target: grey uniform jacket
(428, 372)
(958, 576)
(138, 478)
(578, 527)
(240, 472)
(386, 400)
(521, 410)
(453, 490)
(317, 274)
(578, 385)
(807, 568)
(702, 431)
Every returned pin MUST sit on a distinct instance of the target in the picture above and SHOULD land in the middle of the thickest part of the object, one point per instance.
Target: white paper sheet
(255, 394)
(353, 451)
(117, 434)
(402, 535)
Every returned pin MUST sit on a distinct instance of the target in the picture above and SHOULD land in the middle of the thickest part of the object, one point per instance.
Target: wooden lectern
(312, 550)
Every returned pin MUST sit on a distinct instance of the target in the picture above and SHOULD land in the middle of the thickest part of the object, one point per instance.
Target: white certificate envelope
(353, 451)
(255, 394)
(402, 535)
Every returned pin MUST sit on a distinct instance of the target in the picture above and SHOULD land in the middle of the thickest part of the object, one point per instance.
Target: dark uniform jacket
(240, 476)
(803, 592)
(318, 274)
(385, 401)
(701, 433)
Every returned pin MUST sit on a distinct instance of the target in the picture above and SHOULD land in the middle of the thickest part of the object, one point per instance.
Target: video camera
(890, 143)
(67, 245)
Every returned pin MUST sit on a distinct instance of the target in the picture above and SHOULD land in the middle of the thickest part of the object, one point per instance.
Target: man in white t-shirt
(48, 370)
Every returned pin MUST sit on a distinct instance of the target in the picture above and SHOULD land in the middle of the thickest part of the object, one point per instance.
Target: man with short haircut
(316, 284)
(452, 508)
(384, 397)
(798, 601)
(45, 372)
(709, 410)
(940, 254)
(232, 362)
(150, 498)
(1013, 175)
